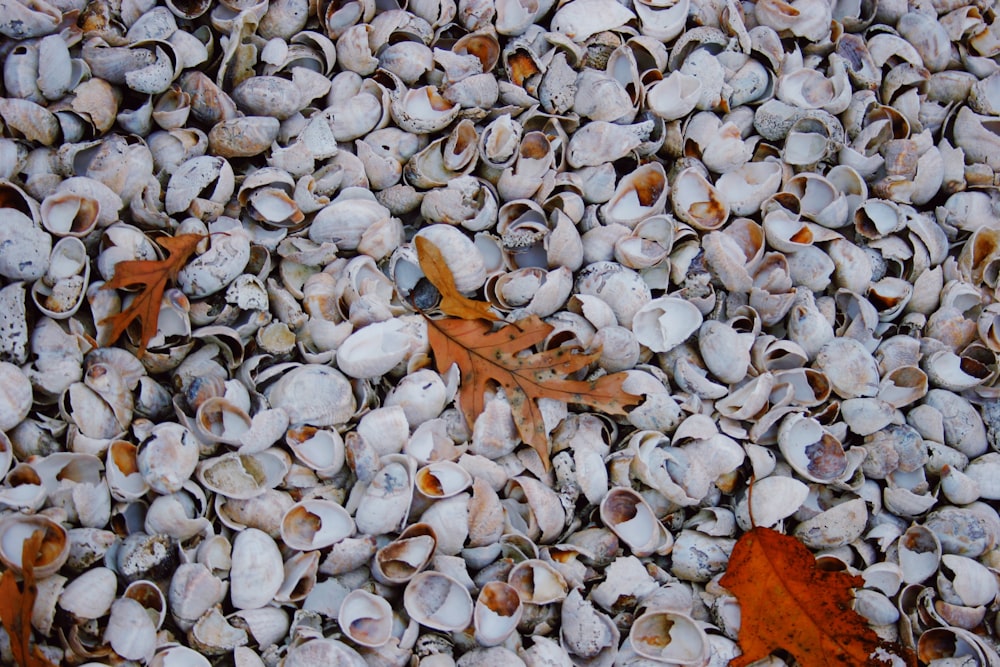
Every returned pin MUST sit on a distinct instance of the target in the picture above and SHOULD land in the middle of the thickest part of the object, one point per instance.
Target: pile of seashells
(780, 219)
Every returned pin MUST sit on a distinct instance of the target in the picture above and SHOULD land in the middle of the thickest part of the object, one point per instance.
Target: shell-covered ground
(780, 220)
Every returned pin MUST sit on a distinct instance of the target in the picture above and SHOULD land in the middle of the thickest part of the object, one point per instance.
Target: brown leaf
(484, 355)
(453, 302)
(787, 602)
(152, 277)
(16, 605)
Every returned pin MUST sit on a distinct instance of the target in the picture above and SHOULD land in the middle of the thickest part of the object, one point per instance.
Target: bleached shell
(313, 394)
(385, 503)
(496, 614)
(193, 590)
(669, 636)
(89, 596)
(27, 247)
(241, 476)
(400, 560)
(834, 527)
(168, 457)
(580, 19)
(639, 195)
(315, 524)
(813, 453)
(15, 397)
(257, 571)
(130, 631)
(586, 633)
(664, 323)
(537, 582)
(726, 353)
(460, 254)
(774, 498)
(850, 368)
(631, 518)
(438, 602)
(365, 618)
(981, 471)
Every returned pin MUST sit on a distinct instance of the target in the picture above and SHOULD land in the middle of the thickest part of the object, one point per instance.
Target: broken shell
(497, 612)
(315, 524)
(669, 636)
(438, 602)
(365, 618)
(631, 518)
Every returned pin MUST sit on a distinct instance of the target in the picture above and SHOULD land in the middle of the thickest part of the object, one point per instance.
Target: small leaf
(484, 355)
(787, 602)
(152, 277)
(453, 302)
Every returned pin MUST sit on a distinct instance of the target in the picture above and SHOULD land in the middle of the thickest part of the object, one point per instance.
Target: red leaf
(152, 277)
(787, 602)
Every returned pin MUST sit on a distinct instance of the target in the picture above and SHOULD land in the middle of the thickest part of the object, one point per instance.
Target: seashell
(386, 500)
(315, 524)
(849, 367)
(193, 591)
(197, 176)
(400, 560)
(213, 635)
(365, 618)
(697, 202)
(537, 582)
(496, 613)
(663, 324)
(816, 455)
(669, 636)
(438, 602)
(241, 476)
(421, 110)
(313, 394)
(167, 458)
(90, 595)
(257, 571)
(130, 631)
(639, 195)
(585, 632)
(628, 515)
(834, 527)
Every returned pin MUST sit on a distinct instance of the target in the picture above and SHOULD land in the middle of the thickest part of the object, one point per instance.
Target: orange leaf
(484, 355)
(16, 606)
(453, 302)
(152, 277)
(787, 602)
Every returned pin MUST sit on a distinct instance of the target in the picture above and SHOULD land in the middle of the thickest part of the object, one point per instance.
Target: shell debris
(780, 218)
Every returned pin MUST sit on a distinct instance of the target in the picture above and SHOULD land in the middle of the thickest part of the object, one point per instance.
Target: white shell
(257, 571)
(438, 602)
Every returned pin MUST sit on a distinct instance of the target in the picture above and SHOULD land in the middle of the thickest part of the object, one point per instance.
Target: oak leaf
(787, 602)
(16, 605)
(453, 302)
(485, 356)
(152, 277)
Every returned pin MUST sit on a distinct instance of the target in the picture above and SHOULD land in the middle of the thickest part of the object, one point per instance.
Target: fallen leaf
(787, 602)
(484, 355)
(152, 277)
(16, 605)
(453, 302)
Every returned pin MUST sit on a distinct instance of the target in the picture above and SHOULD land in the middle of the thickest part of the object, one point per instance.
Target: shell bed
(780, 219)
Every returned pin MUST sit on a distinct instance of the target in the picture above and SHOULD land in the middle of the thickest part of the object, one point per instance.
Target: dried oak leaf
(485, 356)
(152, 277)
(16, 605)
(787, 602)
(453, 302)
